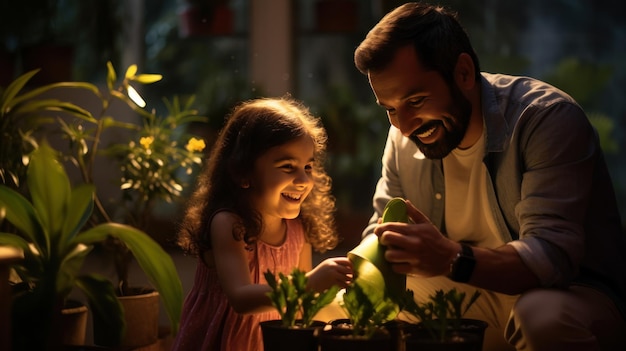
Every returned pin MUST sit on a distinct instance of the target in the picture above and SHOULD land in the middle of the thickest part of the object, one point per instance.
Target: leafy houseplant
(441, 319)
(156, 164)
(297, 306)
(155, 170)
(51, 232)
(364, 329)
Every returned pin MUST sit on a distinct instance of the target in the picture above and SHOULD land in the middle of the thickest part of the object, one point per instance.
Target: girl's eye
(288, 167)
(308, 168)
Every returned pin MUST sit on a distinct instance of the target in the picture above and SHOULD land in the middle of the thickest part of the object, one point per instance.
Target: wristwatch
(462, 265)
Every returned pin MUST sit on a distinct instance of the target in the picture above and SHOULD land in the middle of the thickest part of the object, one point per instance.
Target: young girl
(263, 202)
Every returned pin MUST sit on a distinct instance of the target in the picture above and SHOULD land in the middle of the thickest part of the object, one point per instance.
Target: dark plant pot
(338, 336)
(459, 341)
(469, 336)
(276, 337)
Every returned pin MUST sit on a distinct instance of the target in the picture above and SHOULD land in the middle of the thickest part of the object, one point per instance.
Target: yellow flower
(195, 145)
(146, 141)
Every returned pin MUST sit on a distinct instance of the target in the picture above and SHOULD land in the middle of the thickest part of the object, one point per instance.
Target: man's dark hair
(436, 34)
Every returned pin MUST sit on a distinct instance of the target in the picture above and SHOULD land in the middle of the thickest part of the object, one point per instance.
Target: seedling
(294, 301)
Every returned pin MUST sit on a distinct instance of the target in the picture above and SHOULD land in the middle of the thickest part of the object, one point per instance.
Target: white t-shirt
(467, 214)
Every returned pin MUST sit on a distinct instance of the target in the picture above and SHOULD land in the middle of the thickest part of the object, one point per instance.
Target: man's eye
(417, 101)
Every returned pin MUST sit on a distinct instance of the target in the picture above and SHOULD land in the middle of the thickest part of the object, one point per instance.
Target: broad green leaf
(70, 268)
(21, 213)
(79, 210)
(106, 309)
(49, 189)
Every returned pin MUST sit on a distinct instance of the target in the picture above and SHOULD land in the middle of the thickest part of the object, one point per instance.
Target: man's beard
(452, 138)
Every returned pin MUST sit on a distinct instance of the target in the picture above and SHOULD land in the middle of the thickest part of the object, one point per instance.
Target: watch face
(463, 265)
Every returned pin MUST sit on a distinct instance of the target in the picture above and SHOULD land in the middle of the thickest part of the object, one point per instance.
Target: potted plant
(165, 157)
(297, 306)
(156, 164)
(440, 324)
(375, 296)
(364, 329)
(50, 230)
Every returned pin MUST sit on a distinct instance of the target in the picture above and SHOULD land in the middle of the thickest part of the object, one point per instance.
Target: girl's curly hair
(252, 128)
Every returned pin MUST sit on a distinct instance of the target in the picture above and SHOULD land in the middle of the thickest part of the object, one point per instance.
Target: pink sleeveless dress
(208, 322)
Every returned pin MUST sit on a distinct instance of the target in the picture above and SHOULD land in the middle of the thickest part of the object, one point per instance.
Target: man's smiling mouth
(428, 131)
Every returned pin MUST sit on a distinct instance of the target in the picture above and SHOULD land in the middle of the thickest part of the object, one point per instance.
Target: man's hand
(418, 247)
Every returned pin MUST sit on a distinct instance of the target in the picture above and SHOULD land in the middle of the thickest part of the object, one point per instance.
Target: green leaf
(147, 78)
(21, 213)
(13, 89)
(79, 210)
(106, 309)
(49, 189)
(111, 76)
(70, 268)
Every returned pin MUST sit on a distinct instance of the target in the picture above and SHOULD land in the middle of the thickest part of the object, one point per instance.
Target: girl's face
(282, 178)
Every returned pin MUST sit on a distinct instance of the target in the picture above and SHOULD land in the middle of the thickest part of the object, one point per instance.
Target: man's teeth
(293, 196)
(427, 133)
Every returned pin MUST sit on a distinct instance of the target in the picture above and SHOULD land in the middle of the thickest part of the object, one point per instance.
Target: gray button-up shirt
(549, 188)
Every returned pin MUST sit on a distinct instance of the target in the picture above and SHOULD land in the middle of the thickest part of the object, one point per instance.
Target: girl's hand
(332, 271)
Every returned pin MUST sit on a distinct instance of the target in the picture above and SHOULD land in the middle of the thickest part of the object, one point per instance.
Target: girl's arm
(231, 263)
(306, 258)
(331, 271)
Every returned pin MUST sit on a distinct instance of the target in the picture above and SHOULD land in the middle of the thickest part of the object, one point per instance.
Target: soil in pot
(468, 337)
(276, 337)
(338, 336)
(458, 341)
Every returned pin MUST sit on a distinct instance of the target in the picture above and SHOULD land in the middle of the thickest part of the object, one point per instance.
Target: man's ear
(464, 72)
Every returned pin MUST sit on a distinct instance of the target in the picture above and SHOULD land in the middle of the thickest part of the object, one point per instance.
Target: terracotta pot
(279, 338)
(74, 323)
(141, 312)
(141, 316)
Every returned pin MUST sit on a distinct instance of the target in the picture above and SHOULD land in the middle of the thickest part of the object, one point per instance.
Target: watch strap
(462, 265)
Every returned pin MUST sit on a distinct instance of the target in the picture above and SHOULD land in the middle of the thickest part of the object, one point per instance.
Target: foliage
(22, 117)
(442, 313)
(159, 170)
(366, 316)
(292, 299)
(51, 232)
